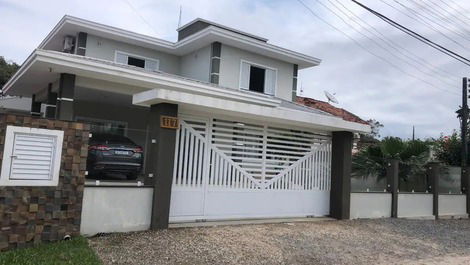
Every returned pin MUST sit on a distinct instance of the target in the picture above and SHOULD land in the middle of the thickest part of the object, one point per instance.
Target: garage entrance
(226, 169)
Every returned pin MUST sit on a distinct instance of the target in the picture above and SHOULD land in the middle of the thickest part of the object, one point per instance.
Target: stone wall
(29, 215)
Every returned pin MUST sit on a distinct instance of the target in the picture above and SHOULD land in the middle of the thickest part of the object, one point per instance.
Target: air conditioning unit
(69, 44)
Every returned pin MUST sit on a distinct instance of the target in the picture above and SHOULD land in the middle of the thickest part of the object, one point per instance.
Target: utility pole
(464, 121)
(413, 136)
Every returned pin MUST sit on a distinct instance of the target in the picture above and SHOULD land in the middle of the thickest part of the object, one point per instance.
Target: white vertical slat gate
(230, 169)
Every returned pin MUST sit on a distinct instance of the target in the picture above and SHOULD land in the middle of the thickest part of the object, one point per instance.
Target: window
(138, 61)
(31, 157)
(258, 78)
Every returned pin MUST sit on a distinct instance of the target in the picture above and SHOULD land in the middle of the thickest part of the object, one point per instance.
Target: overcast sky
(370, 75)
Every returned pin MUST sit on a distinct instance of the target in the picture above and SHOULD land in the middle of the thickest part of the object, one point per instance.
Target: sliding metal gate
(230, 169)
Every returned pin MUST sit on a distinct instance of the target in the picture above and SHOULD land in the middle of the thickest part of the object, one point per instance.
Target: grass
(75, 251)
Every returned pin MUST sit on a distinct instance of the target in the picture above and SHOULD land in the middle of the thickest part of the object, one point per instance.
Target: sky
(374, 70)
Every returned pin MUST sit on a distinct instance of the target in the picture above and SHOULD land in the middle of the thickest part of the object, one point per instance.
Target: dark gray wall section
(160, 162)
(433, 174)
(294, 82)
(51, 103)
(392, 181)
(465, 181)
(35, 106)
(216, 51)
(340, 194)
(65, 97)
(81, 43)
(191, 29)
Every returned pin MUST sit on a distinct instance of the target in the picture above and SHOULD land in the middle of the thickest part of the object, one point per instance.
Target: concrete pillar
(433, 173)
(340, 194)
(160, 161)
(35, 106)
(392, 183)
(64, 110)
(81, 43)
(51, 103)
(465, 185)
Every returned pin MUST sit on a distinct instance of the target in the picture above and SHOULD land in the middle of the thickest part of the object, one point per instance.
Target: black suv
(114, 154)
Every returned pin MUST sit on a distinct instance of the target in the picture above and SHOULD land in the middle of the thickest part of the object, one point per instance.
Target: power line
(416, 35)
(437, 4)
(367, 37)
(141, 17)
(438, 17)
(421, 21)
(457, 10)
(369, 51)
(392, 44)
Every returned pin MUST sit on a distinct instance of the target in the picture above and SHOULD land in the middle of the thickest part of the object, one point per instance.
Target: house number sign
(169, 122)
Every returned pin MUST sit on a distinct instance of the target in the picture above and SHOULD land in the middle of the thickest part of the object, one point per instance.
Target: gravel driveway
(384, 241)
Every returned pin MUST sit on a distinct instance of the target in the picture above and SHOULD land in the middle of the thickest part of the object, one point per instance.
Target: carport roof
(43, 67)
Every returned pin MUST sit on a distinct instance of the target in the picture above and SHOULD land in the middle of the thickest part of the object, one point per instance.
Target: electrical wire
(423, 22)
(141, 17)
(438, 17)
(416, 35)
(392, 44)
(437, 4)
(369, 51)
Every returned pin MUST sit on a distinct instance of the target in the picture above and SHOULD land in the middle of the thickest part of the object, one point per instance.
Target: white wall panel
(116, 209)
(371, 205)
(415, 205)
(452, 204)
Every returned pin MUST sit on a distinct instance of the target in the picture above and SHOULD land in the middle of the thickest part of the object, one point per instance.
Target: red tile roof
(327, 107)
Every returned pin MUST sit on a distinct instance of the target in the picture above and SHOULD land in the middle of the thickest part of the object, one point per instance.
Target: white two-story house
(241, 147)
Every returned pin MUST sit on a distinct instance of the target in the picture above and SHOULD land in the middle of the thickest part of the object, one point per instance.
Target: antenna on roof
(331, 98)
(179, 19)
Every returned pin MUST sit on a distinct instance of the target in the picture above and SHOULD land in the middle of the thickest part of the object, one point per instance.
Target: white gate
(229, 169)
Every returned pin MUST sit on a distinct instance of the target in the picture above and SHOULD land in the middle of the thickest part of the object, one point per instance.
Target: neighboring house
(244, 147)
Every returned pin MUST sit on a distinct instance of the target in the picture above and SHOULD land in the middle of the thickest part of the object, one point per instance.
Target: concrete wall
(196, 65)
(452, 205)
(370, 205)
(415, 205)
(102, 48)
(116, 209)
(230, 70)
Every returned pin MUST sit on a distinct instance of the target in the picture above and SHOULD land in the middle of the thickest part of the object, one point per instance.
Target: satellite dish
(331, 98)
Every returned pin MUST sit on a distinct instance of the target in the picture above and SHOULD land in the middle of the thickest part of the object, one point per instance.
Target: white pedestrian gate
(229, 169)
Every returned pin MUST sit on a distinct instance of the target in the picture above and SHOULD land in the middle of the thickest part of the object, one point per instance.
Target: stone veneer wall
(29, 215)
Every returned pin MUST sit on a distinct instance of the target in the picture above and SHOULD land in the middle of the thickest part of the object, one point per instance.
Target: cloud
(364, 84)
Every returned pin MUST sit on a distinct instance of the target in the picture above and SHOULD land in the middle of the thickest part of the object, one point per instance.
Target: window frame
(8, 150)
(259, 66)
(116, 52)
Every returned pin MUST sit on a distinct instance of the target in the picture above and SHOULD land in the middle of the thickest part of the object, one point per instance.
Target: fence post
(465, 185)
(392, 185)
(433, 174)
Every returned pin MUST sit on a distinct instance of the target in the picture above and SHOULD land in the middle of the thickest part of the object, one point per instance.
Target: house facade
(215, 113)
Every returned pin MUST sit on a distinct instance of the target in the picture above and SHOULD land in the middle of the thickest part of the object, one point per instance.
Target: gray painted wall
(371, 205)
(196, 65)
(115, 209)
(415, 205)
(98, 47)
(230, 70)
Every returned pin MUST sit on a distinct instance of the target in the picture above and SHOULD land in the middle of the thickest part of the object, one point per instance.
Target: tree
(375, 128)
(7, 69)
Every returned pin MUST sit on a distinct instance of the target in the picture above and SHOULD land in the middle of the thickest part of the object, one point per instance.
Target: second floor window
(138, 61)
(258, 78)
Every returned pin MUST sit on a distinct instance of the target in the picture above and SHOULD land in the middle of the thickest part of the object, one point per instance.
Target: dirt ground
(382, 241)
